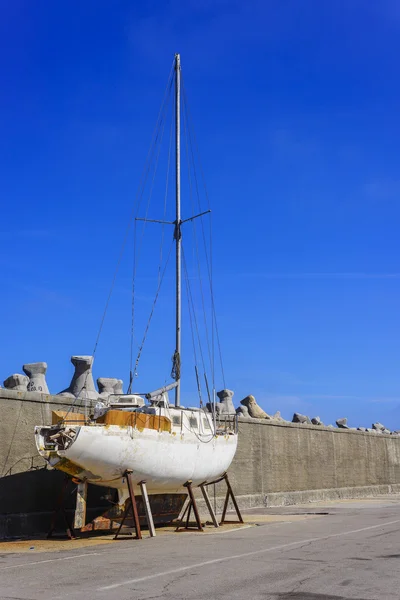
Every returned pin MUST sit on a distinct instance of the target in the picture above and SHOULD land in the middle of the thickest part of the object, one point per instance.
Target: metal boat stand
(229, 494)
(190, 503)
(60, 508)
(132, 506)
(147, 509)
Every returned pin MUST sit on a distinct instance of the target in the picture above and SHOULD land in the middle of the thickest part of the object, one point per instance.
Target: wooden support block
(80, 510)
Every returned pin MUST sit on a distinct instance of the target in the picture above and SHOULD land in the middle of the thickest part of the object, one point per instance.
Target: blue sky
(295, 108)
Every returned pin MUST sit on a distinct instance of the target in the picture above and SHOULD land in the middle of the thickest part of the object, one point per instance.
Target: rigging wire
(192, 333)
(166, 195)
(196, 244)
(138, 249)
(139, 196)
(135, 208)
(152, 308)
(154, 150)
(208, 260)
(132, 337)
(190, 299)
(199, 436)
(159, 141)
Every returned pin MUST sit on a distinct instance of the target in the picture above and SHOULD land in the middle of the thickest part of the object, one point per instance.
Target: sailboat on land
(162, 444)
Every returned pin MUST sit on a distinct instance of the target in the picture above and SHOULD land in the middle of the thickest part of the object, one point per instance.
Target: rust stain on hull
(69, 467)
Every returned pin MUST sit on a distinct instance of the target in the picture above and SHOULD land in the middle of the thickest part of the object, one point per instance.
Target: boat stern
(52, 441)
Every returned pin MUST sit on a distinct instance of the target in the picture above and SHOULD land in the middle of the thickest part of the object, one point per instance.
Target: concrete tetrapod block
(242, 411)
(106, 386)
(378, 426)
(37, 377)
(109, 386)
(226, 406)
(298, 418)
(118, 388)
(254, 410)
(17, 382)
(278, 417)
(342, 423)
(316, 421)
(82, 384)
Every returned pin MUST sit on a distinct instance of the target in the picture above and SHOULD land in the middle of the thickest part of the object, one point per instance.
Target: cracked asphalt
(351, 552)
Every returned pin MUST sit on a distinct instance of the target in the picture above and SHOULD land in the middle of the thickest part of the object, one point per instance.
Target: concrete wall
(276, 463)
(28, 492)
(19, 413)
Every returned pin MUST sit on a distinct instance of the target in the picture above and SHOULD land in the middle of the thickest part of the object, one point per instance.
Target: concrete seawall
(19, 413)
(287, 463)
(275, 464)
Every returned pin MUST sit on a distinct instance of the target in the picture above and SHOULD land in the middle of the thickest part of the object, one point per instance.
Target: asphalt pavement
(334, 551)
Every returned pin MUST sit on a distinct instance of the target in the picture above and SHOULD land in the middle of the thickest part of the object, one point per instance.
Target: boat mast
(177, 234)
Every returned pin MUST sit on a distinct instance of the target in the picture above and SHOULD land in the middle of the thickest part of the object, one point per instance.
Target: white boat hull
(164, 460)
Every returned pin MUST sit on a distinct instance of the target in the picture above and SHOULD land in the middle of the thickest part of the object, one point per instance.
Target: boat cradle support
(191, 503)
(81, 500)
(187, 509)
(80, 509)
(132, 506)
(60, 509)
